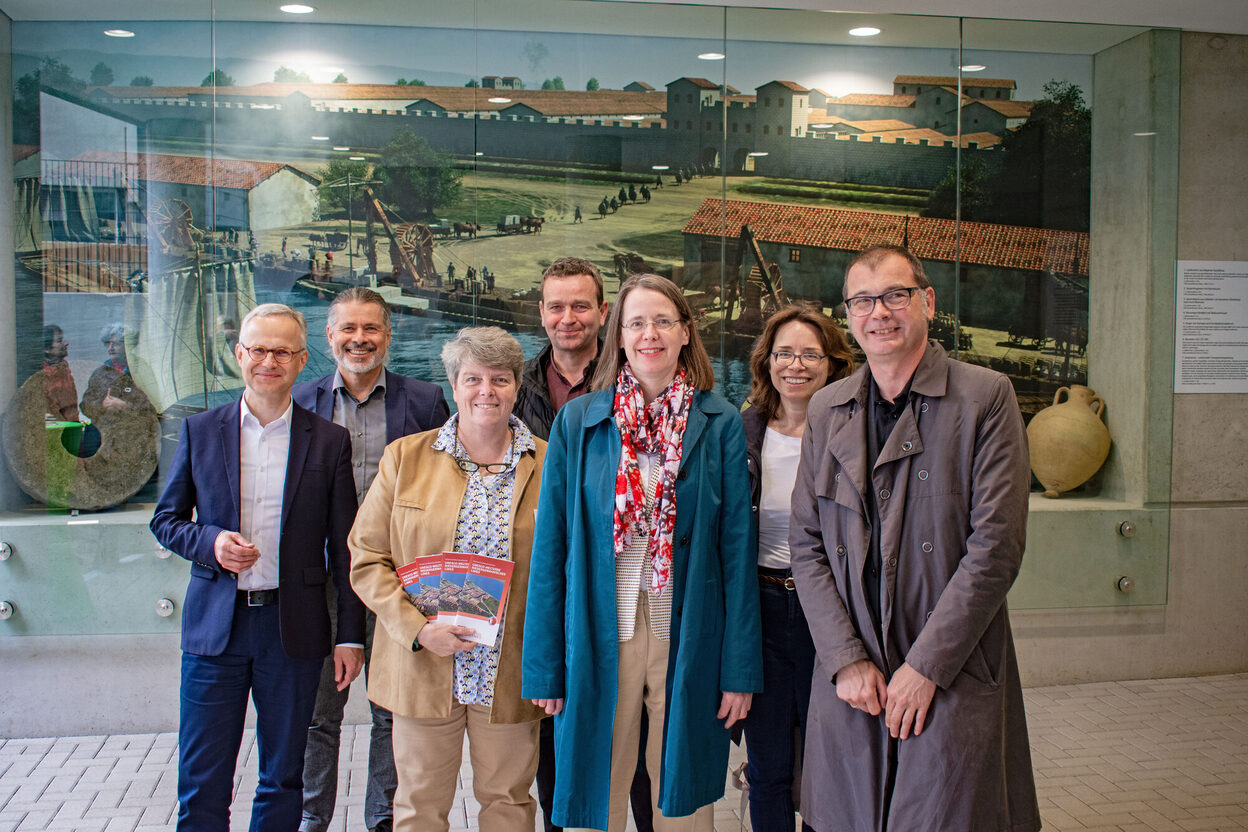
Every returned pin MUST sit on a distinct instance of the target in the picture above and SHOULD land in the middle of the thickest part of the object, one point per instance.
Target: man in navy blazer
(260, 499)
(377, 407)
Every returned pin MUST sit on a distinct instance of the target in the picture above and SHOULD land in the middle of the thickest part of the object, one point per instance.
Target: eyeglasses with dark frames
(862, 305)
(280, 355)
(468, 466)
(783, 358)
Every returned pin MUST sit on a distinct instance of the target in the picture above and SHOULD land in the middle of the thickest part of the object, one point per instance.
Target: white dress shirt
(262, 456)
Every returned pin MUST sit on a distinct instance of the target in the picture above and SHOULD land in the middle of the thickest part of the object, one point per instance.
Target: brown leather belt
(787, 583)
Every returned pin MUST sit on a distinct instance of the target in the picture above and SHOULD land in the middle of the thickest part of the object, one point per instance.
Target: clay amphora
(1069, 442)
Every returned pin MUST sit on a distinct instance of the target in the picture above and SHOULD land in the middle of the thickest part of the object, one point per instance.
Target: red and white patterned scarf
(657, 429)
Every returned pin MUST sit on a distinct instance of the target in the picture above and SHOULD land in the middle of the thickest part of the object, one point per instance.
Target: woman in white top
(799, 351)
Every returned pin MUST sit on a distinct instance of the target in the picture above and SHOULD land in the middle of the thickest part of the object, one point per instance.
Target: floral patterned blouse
(483, 528)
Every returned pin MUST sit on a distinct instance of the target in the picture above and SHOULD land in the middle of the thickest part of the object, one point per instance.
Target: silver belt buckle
(789, 585)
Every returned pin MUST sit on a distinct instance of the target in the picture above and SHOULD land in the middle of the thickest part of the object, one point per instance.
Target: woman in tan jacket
(470, 486)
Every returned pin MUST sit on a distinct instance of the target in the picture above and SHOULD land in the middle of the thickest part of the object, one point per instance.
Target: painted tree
(141, 81)
(414, 177)
(101, 75)
(332, 195)
(1046, 174)
(286, 75)
(976, 193)
(473, 82)
(591, 85)
(50, 75)
(555, 83)
(218, 78)
(341, 78)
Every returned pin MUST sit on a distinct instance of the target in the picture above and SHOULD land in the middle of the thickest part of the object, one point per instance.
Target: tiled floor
(1161, 754)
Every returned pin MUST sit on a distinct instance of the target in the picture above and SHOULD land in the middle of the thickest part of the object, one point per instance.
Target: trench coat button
(840, 551)
(905, 446)
(754, 509)
(684, 540)
(837, 478)
(927, 547)
(892, 561)
(923, 475)
(683, 474)
(923, 407)
(885, 493)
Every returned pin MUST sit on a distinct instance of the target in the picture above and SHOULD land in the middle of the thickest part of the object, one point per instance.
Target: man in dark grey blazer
(377, 407)
(259, 499)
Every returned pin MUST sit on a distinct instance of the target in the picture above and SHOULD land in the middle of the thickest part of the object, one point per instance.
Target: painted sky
(183, 53)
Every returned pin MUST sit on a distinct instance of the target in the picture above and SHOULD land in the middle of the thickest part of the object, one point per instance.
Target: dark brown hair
(574, 267)
(698, 371)
(872, 257)
(763, 394)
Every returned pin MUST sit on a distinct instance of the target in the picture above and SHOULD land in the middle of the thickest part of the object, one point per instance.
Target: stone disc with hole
(41, 465)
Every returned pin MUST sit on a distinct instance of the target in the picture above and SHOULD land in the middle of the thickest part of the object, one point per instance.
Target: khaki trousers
(642, 683)
(427, 755)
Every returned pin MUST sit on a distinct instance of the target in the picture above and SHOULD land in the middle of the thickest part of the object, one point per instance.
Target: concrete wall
(1200, 628)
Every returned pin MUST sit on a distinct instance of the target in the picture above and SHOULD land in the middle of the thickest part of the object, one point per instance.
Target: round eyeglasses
(280, 355)
(808, 359)
(894, 299)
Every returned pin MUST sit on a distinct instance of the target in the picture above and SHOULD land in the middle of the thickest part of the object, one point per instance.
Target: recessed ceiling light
(973, 67)
(711, 56)
(320, 138)
(658, 167)
(264, 106)
(119, 33)
(864, 32)
(342, 148)
(632, 118)
(296, 8)
(356, 158)
(500, 100)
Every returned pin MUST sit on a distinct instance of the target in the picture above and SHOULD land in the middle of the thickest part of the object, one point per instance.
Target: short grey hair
(357, 294)
(489, 346)
(271, 310)
(110, 331)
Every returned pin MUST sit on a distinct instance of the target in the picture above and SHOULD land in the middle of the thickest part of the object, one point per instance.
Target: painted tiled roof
(454, 99)
(986, 244)
(787, 85)
(1009, 109)
(242, 174)
(647, 87)
(700, 82)
(868, 100)
(952, 81)
(879, 125)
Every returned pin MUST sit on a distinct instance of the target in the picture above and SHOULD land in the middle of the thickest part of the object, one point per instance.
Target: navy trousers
(776, 725)
(213, 707)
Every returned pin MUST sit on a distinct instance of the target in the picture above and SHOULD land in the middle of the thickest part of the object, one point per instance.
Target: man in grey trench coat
(909, 519)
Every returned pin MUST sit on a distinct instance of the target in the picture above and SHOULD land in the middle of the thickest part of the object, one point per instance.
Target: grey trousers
(320, 761)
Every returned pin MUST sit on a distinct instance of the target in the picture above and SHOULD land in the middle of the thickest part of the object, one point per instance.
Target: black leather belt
(776, 577)
(258, 597)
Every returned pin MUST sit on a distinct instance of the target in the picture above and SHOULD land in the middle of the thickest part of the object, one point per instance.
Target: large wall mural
(163, 195)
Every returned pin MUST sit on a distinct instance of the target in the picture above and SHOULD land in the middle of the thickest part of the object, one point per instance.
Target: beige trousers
(427, 754)
(642, 683)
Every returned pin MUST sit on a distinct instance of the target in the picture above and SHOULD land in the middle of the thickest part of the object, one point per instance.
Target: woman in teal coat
(643, 588)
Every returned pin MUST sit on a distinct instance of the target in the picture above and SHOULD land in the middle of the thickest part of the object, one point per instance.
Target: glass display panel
(169, 182)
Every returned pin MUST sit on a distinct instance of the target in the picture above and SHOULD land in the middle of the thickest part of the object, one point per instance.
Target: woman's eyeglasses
(808, 359)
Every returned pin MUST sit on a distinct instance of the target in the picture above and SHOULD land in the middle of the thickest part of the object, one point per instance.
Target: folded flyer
(460, 588)
(484, 597)
(422, 580)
